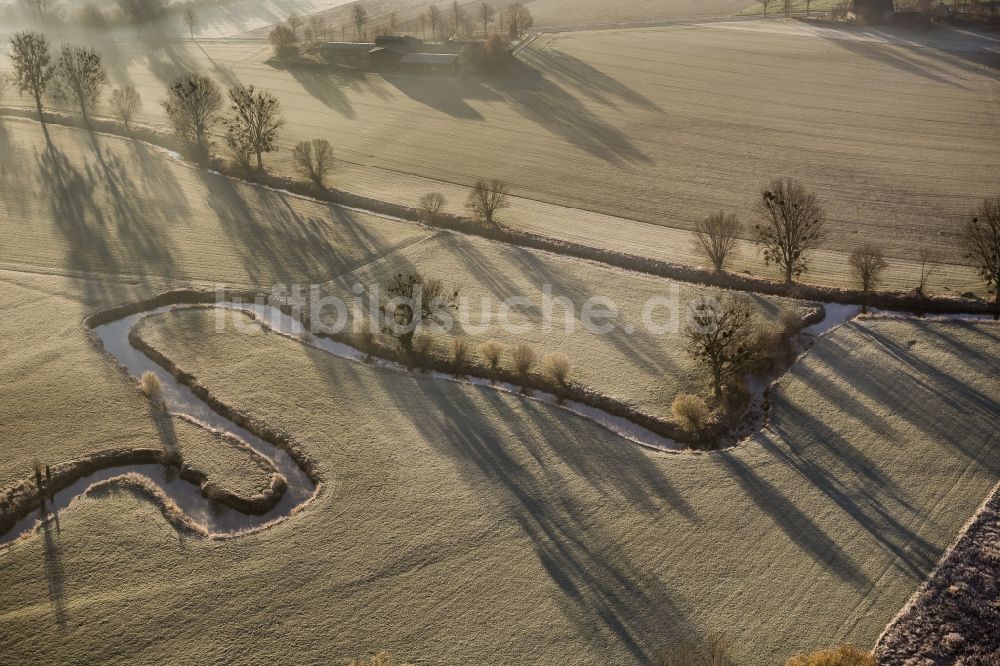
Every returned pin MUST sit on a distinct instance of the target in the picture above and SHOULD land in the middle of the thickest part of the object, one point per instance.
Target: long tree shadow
(603, 591)
(586, 79)
(326, 87)
(54, 572)
(546, 103)
(796, 524)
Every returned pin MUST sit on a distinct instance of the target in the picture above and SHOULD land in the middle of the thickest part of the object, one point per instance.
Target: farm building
(430, 63)
(347, 53)
(871, 12)
(395, 52)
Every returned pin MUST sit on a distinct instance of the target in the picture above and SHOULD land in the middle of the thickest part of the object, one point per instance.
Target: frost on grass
(954, 617)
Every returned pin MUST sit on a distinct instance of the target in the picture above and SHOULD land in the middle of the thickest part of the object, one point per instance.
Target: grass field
(456, 524)
(464, 525)
(625, 138)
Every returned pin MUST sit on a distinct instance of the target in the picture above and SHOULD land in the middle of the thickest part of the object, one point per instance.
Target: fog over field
(392, 332)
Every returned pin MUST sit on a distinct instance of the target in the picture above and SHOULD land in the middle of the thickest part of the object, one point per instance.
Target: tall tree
(519, 20)
(192, 104)
(33, 70)
(868, 263)
(716, 237)
(725, 339)
(434, 16)
(256, 120)
(80, 76)
(413, 301)
(457, 17)
(190, 20)
(40, 8)
(982, 242)
(486, 14)
(359, 15)
(127, 103)
(486, 198)
(791, 224)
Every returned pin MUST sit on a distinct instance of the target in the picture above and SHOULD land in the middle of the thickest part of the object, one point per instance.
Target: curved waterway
(179, 399)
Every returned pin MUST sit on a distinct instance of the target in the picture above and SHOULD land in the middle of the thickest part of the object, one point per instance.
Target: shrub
(789, 320)
(690, 412)
(557, 368)
(845, 655)
(460, 351)
(492, 351)
(524, 358)
(150, 385)
(431, 206)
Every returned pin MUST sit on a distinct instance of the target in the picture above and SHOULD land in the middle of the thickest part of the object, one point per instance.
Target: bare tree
(519, 20)
(486, 198)
(127, 103)
(6, 79)
(256, 120)
(725, 338)
(413, 301)
(141, 12)
(40, 8)
(486, 14)
(192, 104)
(29, 51)
(868, 263)
(457, 17)
(434, 17)
(80, 76)
(716, 237)
(190, 17)
(431, 206)
(764, 3)
(284, 41)
(982, 242)
(926, 270)
(791, 224)
(808, 6)
(313, 161)
(359, 15)
(788, 7)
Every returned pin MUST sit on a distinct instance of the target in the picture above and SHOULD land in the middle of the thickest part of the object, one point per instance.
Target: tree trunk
(717, 381)
(406, 340)
(260, 164)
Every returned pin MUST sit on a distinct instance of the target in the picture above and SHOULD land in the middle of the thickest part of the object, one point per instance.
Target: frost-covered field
(448, 507)
(625, 138)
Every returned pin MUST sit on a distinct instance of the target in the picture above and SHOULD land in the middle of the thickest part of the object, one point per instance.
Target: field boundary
(888, 300)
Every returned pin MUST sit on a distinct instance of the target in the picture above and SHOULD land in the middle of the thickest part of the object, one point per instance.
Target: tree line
(790, 221)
